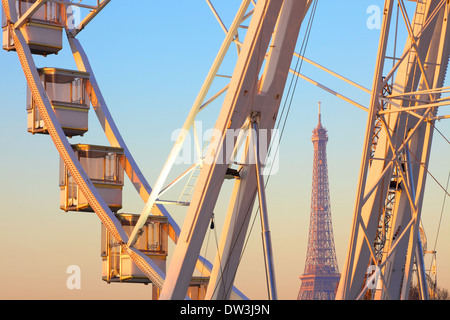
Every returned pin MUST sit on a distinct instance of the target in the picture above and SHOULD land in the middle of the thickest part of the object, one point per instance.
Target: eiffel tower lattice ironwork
(321, 275)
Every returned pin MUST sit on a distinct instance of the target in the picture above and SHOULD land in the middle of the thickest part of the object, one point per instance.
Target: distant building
(321, 275)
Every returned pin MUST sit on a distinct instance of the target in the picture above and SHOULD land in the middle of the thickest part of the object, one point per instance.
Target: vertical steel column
(358, 251)
(267, 102)
(423, 64)
(235, 110)
(419, 250)
(267, 241)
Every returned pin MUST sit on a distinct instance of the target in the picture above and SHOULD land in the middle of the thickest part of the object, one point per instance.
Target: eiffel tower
(321, 275)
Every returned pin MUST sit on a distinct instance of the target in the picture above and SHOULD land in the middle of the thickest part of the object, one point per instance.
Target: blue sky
(150, 61)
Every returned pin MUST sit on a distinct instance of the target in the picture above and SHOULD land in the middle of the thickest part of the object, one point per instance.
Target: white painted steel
(235, 110)
(114, 137)
(267, 240)
(427, 51)
(244, 191)
(189, 121)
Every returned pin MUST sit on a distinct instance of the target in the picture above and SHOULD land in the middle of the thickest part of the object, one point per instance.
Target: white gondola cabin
(104, 168)
(117, 265)
(42, 30)
(68, 91)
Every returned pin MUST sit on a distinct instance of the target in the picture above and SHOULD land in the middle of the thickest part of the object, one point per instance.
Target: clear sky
(150, 60)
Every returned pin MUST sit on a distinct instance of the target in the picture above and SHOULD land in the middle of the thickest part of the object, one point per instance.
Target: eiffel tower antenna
(320, 120)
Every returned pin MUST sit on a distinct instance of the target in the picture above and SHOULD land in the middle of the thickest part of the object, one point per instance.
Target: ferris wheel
(396, 151)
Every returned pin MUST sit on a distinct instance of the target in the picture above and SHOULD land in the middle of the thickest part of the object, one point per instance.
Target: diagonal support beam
(245, 189)
(356, 104)
(236, 107)
(188, 123)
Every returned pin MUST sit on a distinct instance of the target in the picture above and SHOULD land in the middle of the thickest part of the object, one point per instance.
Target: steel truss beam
(395, 174)
(131, 168)
(244, 191)
(196, 108)
(246, 94)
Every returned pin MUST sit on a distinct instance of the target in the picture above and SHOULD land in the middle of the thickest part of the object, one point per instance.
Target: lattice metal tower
(321, 275)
